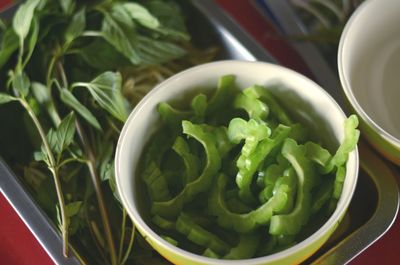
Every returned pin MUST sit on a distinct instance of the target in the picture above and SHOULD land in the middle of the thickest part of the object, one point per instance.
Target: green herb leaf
(108, 172)
(39, 156)
(119, 30)
(23, 18)
(75, 222)
(158, 51)
(106, 90)
(60, 138)
(52, 141)
(32, 39)
(141, 15)
(40, 92)
(73, 208)
(70, 100)
(76, 27)
(101, 55)
(113, 187)
(21, 83)
(106, 165)
(5, 98)
(65, 133)
(9, 44)
(67, 6)
(170, 17)
(43, 97)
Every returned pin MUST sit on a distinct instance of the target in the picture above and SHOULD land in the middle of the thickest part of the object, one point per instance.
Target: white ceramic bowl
(304, 96)
(369, 69)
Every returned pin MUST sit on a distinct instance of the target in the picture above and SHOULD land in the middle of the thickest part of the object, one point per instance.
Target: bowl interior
(307, 100)
(370, 61)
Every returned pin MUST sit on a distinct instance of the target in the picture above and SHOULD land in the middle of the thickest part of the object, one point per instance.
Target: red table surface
(18, 246)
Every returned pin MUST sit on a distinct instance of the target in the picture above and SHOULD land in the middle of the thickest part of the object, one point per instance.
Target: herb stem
(70, 160)
(121, 242)
(51, 109)
(96, 240)
(50, 70)
(62, 73)
(78, 256)
(54, 170)
(20, 54)
(97, 234)
(130, 245)
(78, 84)
(113, 126)
(98, 191)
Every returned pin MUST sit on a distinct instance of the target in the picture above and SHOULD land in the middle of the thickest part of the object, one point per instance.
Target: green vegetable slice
(268, 179)
(351, 135)
(171, 116)
(156, 183)
(253, 155)
(275, 244)
(242, 223)
(275, 108)
(328, 163)
(255, 108)
(174, 206)
(318, 154)
(190, 161)
(223, 94)
(288, 184)
(199, 235)
(290, 224)
(163, 223)
(210, 254)
(322, 195)
(246, 248)
(170, 240)
(224, 145)
(199, 106)
(160, 145)
(251, 131)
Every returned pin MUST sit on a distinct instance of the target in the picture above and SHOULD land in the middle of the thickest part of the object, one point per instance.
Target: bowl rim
(346, 83)
(138, 221)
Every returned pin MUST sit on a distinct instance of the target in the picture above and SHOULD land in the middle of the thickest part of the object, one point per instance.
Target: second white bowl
(369, 69)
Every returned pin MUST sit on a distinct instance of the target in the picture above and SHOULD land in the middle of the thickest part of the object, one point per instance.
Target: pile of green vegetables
(70, 72)
(234, 176)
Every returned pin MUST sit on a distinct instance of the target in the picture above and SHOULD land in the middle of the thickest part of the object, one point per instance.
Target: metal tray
(360, 228)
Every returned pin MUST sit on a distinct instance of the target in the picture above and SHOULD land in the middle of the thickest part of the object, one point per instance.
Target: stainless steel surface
(236, 41)
(219, 29)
